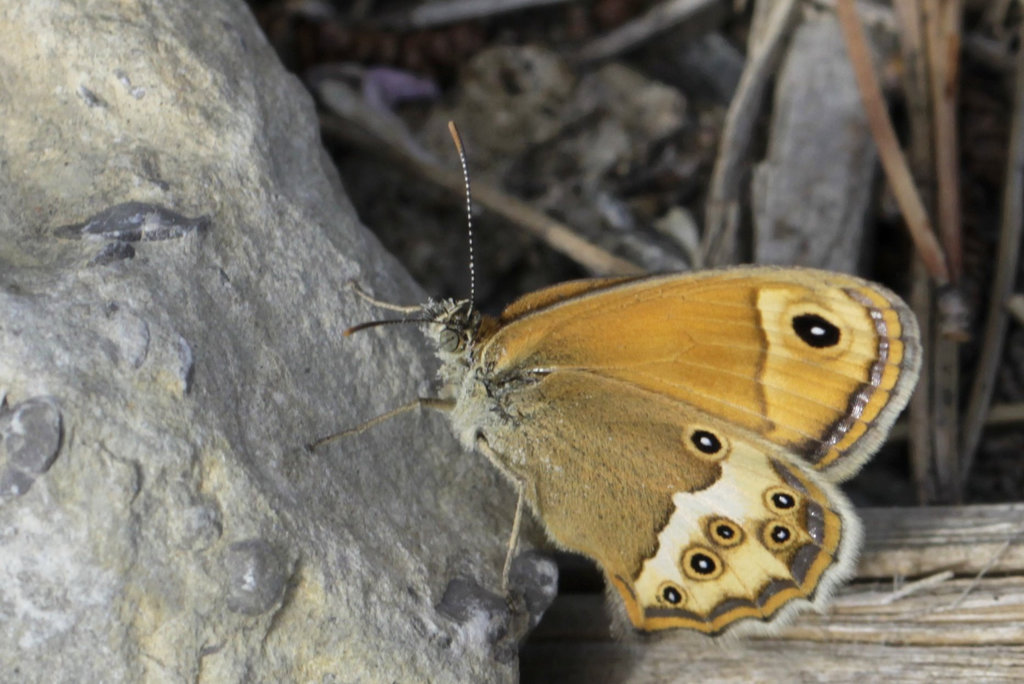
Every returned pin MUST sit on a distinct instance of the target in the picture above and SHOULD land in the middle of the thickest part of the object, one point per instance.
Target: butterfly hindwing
(695, 525)
(721, 559)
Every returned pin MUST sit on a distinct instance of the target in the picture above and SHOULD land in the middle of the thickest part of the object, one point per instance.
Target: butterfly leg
(517, 520)
(424, 402)
(380, 303)
(513, 539)
(524, 609)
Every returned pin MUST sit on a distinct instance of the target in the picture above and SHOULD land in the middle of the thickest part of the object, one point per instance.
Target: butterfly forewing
(819, 363)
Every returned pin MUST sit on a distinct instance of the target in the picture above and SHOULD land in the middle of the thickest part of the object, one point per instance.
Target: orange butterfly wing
(646, 416)
(817, 362)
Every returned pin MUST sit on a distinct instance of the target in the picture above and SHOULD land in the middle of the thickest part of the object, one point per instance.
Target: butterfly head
(458, 323)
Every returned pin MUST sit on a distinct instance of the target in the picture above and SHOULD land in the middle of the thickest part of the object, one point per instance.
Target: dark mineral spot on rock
(30, 439)
(257, 573)
(187, 367)
(91, 99)
(113, 252)
(14, 482)
(134, 222)
(534, 576)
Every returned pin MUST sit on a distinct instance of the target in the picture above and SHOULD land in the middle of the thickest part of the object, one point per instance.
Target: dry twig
(371, 130)
(438, 13)
(931, 50)
(942, 25)
(894, 163)
(1002, 284)
(721, 214)
(661, 17)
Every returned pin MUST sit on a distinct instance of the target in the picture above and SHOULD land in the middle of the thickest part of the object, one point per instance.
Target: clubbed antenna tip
(457, 139)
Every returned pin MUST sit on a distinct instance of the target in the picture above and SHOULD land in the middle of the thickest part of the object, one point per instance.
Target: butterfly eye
(671, 594)
(702, 564)
(781, 500)
(449, 340)
(816, 331)
(777, 536)
(724, 532)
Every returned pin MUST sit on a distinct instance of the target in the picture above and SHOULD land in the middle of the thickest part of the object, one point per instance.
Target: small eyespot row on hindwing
(816, 331)
(781, 500)
(705, 444)
(701, 564)
(723, 532)
(777, 535)
(671, 594)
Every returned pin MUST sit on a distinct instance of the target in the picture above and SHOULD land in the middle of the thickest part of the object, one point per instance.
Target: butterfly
(687, 432)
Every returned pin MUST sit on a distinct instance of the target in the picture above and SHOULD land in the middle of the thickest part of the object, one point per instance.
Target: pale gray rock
(175, 250)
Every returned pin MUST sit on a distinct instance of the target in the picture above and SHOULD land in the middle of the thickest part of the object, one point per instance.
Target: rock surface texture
(175, 250)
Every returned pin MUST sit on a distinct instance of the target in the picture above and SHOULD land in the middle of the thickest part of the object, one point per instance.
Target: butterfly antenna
(469, 208)
(374, 324)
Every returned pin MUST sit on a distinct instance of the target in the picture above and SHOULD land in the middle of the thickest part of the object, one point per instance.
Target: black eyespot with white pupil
(671, 595)
(783, 501)
(781, 534)
(816, 331)
(703, 564)
(723, 532)
(706, 442)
